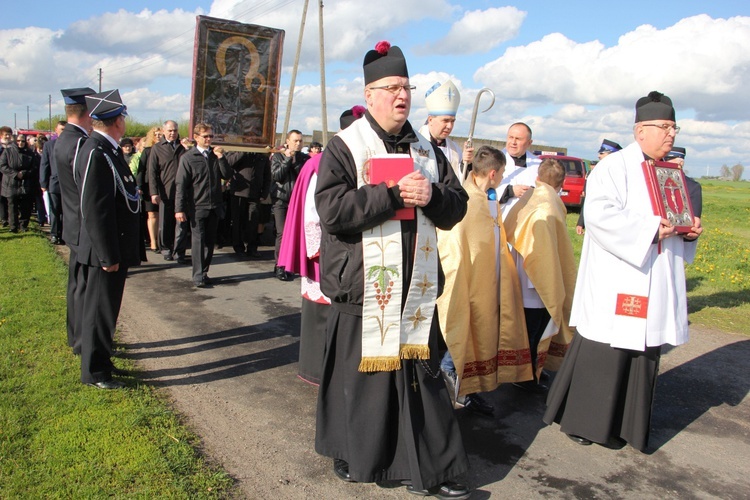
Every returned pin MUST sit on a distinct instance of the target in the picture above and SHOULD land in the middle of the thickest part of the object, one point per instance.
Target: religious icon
(237, 69)
(670, 198)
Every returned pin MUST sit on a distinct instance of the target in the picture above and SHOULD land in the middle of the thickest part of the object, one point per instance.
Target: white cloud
(479, 31)
(698, 57)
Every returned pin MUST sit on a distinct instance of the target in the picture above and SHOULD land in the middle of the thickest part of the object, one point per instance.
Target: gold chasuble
(388, 333)
(482, 317)
(537, 230)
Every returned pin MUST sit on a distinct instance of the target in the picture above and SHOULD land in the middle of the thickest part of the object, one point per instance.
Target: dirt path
(226, 356)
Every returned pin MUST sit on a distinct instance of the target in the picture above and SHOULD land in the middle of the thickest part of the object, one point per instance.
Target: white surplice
(619, 257)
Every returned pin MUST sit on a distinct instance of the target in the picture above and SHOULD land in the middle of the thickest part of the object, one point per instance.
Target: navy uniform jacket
(65, 151)
(48, 178)
(109, 227)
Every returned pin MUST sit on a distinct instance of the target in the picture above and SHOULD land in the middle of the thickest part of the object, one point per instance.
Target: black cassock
(394, 424)
(109, 235)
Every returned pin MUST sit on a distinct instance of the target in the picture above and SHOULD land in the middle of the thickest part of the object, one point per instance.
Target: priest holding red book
(630, 296)
(384, 414)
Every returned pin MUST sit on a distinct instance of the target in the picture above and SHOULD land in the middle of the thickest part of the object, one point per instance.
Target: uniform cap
(77, 95)
(106, 105)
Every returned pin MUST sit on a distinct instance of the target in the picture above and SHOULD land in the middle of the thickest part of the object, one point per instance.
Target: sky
(572, 70)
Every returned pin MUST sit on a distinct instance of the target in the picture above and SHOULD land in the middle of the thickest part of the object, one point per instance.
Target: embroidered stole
(388, 334)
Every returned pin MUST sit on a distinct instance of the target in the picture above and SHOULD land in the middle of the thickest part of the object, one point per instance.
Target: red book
(390, 169)
(669, 194)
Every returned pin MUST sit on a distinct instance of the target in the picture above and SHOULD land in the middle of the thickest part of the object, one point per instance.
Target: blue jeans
(446, 364)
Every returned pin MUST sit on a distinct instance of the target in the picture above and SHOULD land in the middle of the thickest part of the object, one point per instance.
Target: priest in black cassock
(384, 413)
(108, 243)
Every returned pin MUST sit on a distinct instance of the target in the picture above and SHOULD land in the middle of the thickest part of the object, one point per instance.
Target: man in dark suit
(199, 200)
(162, 170)
(50, 184)
(66, 148)
(250, 184)
(108, 243)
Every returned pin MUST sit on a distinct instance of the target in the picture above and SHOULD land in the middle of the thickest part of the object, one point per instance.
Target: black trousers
(536, 322)
(245, 218)
(280, 209)
(172, 234)
(203, 226)
(77, 276)
(19, 211)
(3, 208)
(101, 308)
(55, 214)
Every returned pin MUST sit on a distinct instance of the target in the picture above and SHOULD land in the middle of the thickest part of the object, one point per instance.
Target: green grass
(61, 439)
(718, 281)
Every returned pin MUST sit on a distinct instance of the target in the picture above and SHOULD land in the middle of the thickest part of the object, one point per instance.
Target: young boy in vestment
(538, 232)
(480, 311)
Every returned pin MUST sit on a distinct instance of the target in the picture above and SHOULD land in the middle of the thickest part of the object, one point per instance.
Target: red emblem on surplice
(631, 305)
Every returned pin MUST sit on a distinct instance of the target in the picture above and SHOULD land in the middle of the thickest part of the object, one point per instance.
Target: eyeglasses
(207, 136)
(395, 89)
(667, 128)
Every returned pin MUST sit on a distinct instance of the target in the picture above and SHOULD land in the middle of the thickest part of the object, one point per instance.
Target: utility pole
(324, 108)
(100, 80)
(15, 121)
(28, 123)
(294, 71)
(50, 113)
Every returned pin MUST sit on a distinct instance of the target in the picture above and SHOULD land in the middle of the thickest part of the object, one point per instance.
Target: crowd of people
(420, 292)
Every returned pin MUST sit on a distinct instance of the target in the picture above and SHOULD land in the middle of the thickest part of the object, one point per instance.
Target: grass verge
(718, 281)
(61, 439)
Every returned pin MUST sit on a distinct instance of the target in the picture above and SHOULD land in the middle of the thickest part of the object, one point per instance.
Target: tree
(44, 123)
(725, 172)
(737, 172)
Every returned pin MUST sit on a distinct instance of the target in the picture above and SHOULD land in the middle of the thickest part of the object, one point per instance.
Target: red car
(575, 176)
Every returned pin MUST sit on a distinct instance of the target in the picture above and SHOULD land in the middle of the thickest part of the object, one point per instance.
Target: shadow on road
(687, 392)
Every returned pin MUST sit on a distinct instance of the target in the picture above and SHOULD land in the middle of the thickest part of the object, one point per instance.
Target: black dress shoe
(281, 274)
(341, 469)
(208, 280)
(168, 258)
(183, 260)
(579, 440)
(447, 491)
(201, 284)
(107, 384)
(476, 404)
(254, 254)
(531, 386)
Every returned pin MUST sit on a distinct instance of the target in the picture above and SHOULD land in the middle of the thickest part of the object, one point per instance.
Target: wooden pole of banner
(324, 107)
(294, 72)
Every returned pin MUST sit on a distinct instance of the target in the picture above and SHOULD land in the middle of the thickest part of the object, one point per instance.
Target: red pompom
(358, 111)
(382, 47)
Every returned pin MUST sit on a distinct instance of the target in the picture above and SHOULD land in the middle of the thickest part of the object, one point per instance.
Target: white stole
(388, 334)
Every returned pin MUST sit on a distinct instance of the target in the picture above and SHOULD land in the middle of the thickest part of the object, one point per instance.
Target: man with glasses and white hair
(384, 413)
(630, 295)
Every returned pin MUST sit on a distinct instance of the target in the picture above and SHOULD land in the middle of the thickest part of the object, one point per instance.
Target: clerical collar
(437, 142)
(405, 136)
(520, 161)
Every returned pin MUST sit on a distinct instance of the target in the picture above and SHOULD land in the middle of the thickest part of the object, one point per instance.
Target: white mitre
(442, 99)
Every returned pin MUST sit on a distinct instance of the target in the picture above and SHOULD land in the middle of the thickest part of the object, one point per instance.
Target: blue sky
(572, 70)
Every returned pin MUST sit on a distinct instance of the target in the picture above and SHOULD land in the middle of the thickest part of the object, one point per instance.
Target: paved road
(227, 358)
